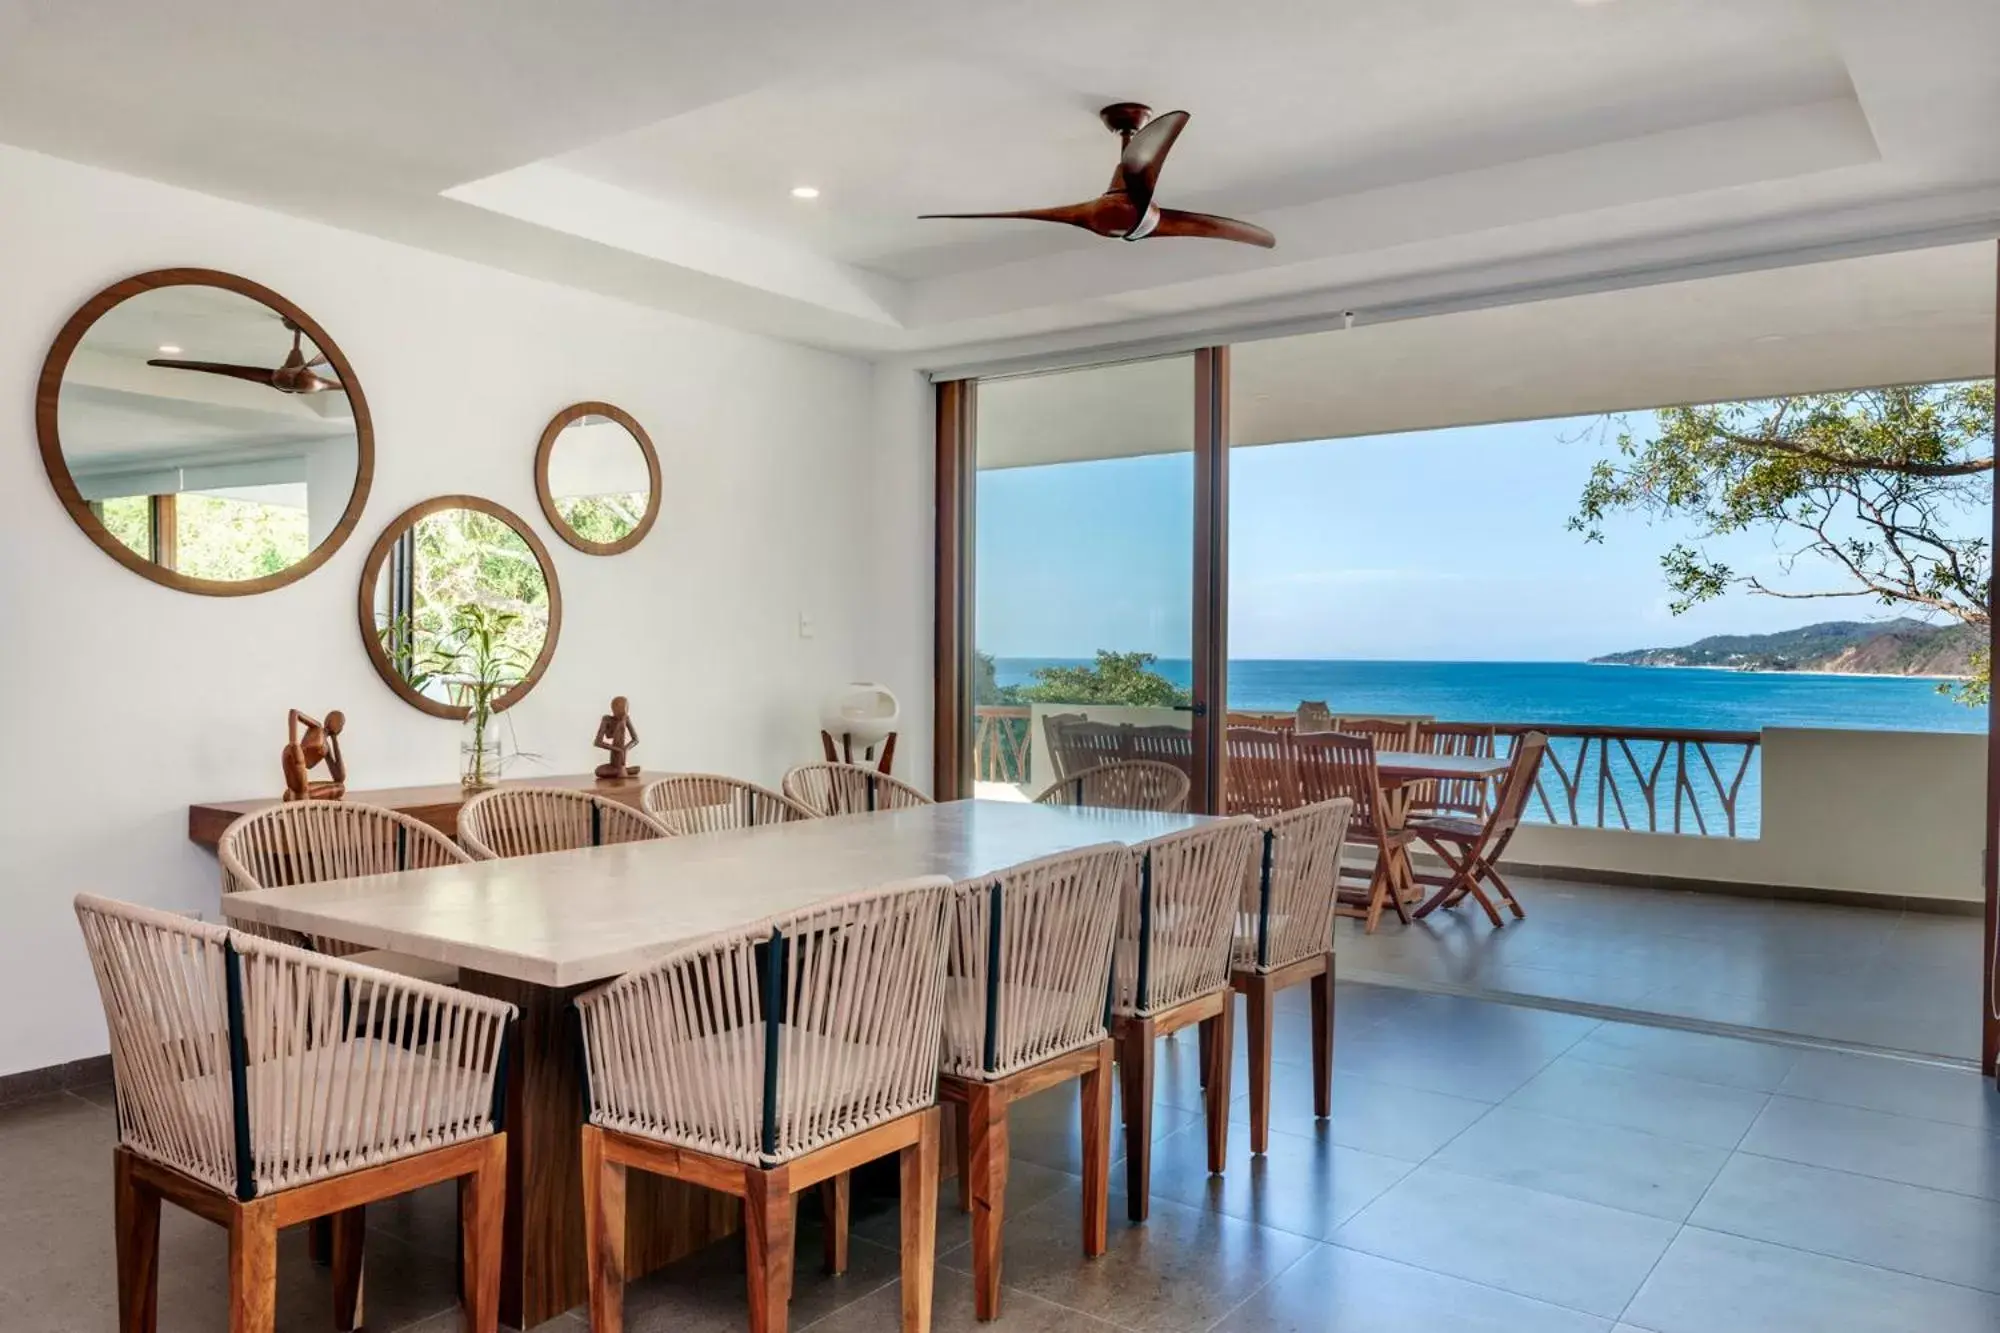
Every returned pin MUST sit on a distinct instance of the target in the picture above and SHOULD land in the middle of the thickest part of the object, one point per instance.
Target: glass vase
(479, 757)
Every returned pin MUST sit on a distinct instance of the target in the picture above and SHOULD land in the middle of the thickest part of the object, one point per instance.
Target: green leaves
(1115, 678)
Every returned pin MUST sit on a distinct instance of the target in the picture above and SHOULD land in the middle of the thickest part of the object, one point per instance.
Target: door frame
(1989, 1045)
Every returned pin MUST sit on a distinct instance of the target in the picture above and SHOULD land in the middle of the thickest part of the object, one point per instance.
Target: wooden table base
(543, 1270)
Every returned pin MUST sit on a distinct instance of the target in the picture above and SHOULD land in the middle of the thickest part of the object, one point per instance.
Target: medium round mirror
(205, 432)
(598, 478)
(459, 599)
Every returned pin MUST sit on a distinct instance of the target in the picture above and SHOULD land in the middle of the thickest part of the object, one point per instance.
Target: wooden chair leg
(253, 1268)
(768, 1233)
(350, 1229)
(1507, 894)
(482, 1217)
(137, 1212)
(1221, 1033)
(1135, 1097)
(1096, 1101)
(1258, 1021)
(1206, 1039)
(319, 1241)
(919, 1169)
(1378, 887)
(834, 1193)
(987, 1113)
(1322, 1039)
(961, 1113)
(603, 1235)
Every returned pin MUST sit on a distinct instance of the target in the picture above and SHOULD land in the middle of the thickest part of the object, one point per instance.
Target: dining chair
(1388, 733)
(260, 1085)
(1131, 784)
(1030, 963)
(1176, 924)
(1261, 777)
(1263, 721)
(849, 789)
(524, 821)
(1284, 938)
(305, 842)
(1333, 765)
(1455, 796)
(1471, 848)
(708, 803)
(763, 1062)
(1312, 715)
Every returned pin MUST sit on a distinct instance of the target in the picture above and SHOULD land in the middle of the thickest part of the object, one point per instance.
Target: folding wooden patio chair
(1262, 778)
(1332, 765)
(1470, 849)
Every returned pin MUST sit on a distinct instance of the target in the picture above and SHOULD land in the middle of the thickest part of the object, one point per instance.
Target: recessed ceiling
(1421, 148)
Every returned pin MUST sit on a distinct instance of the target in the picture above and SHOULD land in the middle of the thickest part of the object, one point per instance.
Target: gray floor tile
(1442, 1059)
(952, 1312)
(1906, 1228)
(708, 1292)
(1620, 1168)
(1180, 1272)
(1713, 1283)
(1384, 1119)
(1757, 1066)
(1928, 1092)
(1334, 1290)
(1875, 1143)
(1705, 1113)
(1303, 1185)
(1028, 1183)
(1580, 1255)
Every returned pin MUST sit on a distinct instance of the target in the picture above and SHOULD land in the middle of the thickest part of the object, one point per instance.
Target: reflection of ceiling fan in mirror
(296, 375)
(1126, 211)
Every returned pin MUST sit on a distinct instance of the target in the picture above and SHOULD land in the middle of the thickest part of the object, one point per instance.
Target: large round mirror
(459, 598)
(205, 432)
(598, 478)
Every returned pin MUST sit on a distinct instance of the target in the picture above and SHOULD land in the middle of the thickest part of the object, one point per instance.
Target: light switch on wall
(805, 626)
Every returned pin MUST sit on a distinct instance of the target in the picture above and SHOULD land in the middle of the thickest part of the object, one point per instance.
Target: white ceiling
(1403, 150)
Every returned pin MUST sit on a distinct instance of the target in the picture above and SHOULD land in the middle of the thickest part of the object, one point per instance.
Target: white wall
(123, 701)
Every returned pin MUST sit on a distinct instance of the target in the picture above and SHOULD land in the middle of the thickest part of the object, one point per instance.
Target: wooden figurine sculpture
(319, 744)
(616, 733)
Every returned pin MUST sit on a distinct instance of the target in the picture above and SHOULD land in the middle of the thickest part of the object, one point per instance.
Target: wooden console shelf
(436, 805)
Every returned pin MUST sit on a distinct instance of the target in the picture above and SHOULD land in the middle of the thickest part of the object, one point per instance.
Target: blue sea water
(1578, 693)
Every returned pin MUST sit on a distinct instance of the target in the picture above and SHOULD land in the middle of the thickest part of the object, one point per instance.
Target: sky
(1444, 545)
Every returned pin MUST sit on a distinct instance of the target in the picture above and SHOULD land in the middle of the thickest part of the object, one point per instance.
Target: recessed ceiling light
(805, 192)
(169, 350)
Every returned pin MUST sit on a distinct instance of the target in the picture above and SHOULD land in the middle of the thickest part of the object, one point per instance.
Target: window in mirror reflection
(598, 478)
(447, 561)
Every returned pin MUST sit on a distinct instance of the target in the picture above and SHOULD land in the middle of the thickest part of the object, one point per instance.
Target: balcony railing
(1646, 779)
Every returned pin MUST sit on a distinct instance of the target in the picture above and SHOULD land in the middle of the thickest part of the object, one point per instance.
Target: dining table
(539, 930)
(1403, 774)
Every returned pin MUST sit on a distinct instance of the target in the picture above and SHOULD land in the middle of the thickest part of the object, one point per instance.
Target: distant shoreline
(1772, 671)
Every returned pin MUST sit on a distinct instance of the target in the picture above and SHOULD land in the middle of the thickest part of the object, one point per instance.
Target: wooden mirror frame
(48, 392)
(371, 570)
(546, 450)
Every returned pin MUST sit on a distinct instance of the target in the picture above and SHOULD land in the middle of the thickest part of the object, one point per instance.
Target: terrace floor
(1900, 981)
(1487, 1167)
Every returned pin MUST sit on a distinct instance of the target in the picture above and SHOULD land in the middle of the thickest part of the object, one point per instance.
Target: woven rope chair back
(763, 1044)
(1177, 915)
(849, 789)
(1313, 715)
(304, 842)
(1388, 733)
(1333, 765)
(525, 821)
(1466, 796)
(254, 1066)
(1519, 783)
(1030, 961)
(709, 803)
(1130, 784)
(1263, 776)
(1287, 909)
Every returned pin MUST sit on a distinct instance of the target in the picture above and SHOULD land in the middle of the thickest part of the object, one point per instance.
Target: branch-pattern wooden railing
(1647, 779)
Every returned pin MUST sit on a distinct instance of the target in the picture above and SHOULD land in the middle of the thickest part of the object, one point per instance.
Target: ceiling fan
(296, 375)
(1126, 210)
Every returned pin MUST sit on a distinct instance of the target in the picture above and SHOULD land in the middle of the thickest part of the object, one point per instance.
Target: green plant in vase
(477, 662)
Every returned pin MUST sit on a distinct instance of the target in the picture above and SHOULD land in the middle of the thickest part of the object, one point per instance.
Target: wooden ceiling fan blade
(1146, 152)
(1104, 216)
(255, 374)
(1207, 226)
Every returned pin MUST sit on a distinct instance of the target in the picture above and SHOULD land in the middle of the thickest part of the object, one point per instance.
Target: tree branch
(1969, 467)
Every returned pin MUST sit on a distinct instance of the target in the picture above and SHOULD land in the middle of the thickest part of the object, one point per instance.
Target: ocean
(1579, 693)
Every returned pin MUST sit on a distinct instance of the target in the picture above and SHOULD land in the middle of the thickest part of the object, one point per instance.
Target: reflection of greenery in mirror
(602, 518)
(191, 434)
(453, 566)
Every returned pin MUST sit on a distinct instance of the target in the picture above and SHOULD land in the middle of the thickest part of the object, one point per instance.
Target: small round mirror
(205, 432)
(459, 600)
(598, 478)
